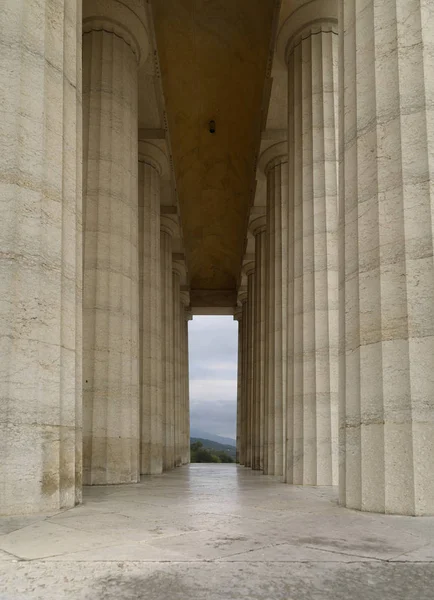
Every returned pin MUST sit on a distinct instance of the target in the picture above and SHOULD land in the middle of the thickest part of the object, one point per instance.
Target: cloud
(220, 390)
(218, 418)
(213, 351)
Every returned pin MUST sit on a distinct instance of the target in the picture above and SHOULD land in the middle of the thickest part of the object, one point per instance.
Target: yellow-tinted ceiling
(213, 57)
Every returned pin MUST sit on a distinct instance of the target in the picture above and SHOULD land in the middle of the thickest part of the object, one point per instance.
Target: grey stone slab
(45, 539)
(7, 556)
(216, 581)
(221, 533)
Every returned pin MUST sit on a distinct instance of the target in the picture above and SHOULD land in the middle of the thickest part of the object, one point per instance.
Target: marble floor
(215, 532)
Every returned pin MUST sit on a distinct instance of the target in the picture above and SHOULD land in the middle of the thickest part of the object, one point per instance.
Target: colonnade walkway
(211, 532)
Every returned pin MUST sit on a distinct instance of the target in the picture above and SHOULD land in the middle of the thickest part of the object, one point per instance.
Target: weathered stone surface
(312, 320)
(111, 422)
(150, 370)
(40, 255)
(386, 260)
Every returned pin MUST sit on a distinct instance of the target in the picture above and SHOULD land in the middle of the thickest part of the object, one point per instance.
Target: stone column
(311, 55)
(258, 229)
(186, 456)
(238, 316)
(386, 260)
(243, 299)
(250, 413)
(185, 412)
(167, 230)
(111, 420)
(40, 259)
(274, 163)
(151, 164)
(176, 343)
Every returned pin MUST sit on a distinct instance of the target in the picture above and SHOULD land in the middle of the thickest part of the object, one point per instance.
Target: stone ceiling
(214, 56)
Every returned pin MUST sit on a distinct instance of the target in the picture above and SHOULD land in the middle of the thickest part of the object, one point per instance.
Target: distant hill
(211, 445)
(199, 434)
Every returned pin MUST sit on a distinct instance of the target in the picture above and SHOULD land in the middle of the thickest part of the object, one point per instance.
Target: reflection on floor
(215, 532)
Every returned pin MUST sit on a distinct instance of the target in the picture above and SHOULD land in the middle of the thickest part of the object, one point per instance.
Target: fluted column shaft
(182, 403)
(151, 430)
(176, 343)
(258, 229)
(239, 317)
(387, 269)
(111, 293)
(186, 390)
(276, 312)
(184, 415)
(244, 380)
(312, 452)
(40, 256)
(167, 358)
(250, 367)
(243, 408)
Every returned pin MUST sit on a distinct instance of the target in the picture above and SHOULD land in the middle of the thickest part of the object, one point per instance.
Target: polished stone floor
(215, 532)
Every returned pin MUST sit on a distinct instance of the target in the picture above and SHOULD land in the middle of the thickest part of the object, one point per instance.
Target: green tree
(199, 454)
(196, 446)
(224, 457)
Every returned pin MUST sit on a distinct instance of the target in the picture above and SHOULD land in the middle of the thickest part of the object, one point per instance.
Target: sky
(213, 360)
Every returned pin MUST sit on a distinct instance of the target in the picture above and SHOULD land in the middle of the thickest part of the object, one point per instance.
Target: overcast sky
(213, 374)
